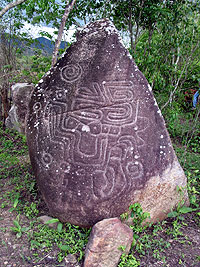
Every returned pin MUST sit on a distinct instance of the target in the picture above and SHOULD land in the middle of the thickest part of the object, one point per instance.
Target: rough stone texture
(97, 139)
(160, 194)
(21, 93)
(71, 261)
(103, 248)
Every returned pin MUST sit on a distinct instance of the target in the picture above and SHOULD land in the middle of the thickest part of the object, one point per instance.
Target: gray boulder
(97, 138)
(21, 93)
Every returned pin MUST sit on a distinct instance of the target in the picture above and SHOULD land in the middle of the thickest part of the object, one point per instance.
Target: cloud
(35, 32)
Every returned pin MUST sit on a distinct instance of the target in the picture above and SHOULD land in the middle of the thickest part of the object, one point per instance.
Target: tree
(10, 5)
(163, 34)
(7, 67)
(68, 8)
(173, 52)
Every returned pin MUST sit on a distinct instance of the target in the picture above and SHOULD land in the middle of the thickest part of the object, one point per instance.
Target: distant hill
(46, 45)
(41, 43)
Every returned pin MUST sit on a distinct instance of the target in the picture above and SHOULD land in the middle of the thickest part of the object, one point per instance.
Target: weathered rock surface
(97, 139)
(106, 238)
(71, 261)
(21, 94)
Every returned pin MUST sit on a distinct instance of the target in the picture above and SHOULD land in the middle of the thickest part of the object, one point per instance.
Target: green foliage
(69, 239)
(180, 210)
(190, 162)
(39, 66)
(193, 187)
(18, 229)
(138, 216)
(22, 197)
(167, 53)
(195, 144)
(143, 241)
(59, 227)
(12, 142)
(128, 260)
(183, 127)
(54, 220)
(7, 160)
(31, 210)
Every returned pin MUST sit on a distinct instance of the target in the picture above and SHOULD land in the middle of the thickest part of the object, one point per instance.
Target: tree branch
(187, 62)
(68, 8)
(9, 6)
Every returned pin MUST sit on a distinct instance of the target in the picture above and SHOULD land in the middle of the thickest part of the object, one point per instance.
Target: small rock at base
(106, 238)
(70, 258)
(44, 219)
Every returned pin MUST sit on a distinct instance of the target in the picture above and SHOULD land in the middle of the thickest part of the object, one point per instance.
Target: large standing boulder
(97, 139)
(21, 94)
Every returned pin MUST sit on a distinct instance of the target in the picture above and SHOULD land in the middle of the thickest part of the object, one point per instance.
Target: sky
(34, 31)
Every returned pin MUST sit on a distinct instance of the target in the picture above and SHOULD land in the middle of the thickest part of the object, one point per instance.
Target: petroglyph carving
(85, 134)
(37, 106)
(97, 140)
(119, 91)
(71, 72)
(46, 159)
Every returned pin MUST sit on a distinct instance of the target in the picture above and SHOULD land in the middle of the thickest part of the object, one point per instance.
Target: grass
(20, 195)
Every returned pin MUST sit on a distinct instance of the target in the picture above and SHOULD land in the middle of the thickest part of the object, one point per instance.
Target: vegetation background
(164, 39)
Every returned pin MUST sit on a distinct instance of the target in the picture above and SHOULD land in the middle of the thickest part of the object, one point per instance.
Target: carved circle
(135, 169)
(60, 95)
(47, 159)
(71, 72)
(37, 106)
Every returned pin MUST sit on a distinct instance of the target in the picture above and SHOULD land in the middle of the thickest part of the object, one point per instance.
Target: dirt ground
(182, 250)
(16, 252)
